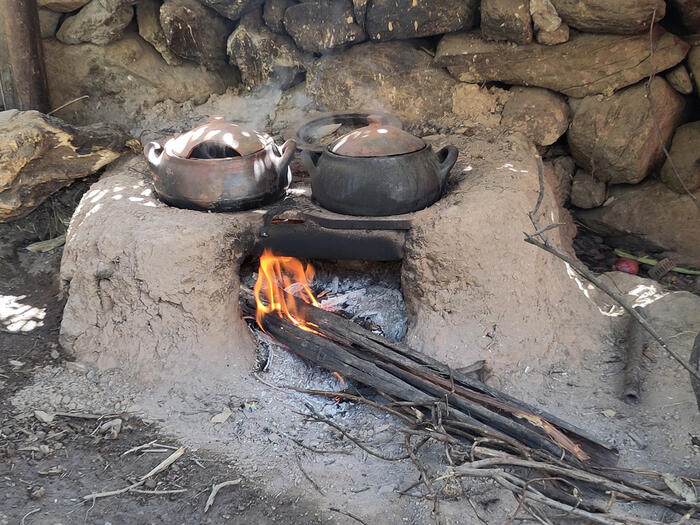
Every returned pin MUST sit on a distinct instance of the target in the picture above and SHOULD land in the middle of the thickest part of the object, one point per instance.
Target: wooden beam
(23, 82)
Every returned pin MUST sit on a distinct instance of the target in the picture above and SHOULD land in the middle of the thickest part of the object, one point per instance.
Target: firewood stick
(406, 358)
(381, 374)
(634, 347)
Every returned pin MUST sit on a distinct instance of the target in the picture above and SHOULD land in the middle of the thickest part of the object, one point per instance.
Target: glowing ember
(281, 281)
(340, 379)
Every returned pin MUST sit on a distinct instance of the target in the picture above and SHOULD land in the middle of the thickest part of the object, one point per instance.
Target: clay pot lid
(378, 139)
(216, 139)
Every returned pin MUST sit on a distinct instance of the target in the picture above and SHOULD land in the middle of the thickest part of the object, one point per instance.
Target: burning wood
(347, 349)
(453, 406)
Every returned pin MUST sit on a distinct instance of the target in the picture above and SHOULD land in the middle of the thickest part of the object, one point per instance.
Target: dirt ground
(45, 469)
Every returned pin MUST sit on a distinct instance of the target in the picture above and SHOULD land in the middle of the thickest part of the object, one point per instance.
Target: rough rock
(465, 285)
(48, 22)
(587, 64)
(679, 79)
(562, 171)
(587, 191)
(95, 24)
(40, 155)
(615, 138)
(401, 19)
(687, 12)
(477, 105)
(693, 63)
(132, 265)
(233, 9)
(123, 79)
(506, 20)
(263, 56)
(649, 218)
(685, 152)
(549, 29)
(551, 38)
(321, 25)
(62, 6)
(544, 15)
(390, 76)
(273, 14)
(148, 19)
(195, 32)
(540, 114)
(624, 17)
(359, 7)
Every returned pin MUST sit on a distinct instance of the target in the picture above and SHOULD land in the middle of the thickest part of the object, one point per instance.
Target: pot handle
(310, 160)
(282, 162)
(447, 157)
(154, 153)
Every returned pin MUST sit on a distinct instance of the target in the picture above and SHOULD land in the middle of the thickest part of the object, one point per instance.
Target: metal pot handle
(282, 162)
(154, 153)
(310, 160)
(447, 157)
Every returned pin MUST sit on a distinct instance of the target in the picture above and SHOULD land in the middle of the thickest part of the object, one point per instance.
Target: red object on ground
(626, 265)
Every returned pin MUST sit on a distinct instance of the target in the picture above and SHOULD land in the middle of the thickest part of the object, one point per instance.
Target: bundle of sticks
(501, 430)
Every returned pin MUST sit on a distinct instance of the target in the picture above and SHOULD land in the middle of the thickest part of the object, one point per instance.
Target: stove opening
(213, 150)
(366, 292)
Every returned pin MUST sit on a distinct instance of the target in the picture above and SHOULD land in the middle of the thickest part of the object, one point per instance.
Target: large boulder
(233, 9)
(40, 155)
(62, 6)
(685, 153)
(273, 14)
(540, 114)
(615, 138)
(148, 20)
(651, 219)
(95, 24)
(394, 76)
(624, 17)
(195, 32)
(321, 25)
(134, 266)
(585, 65)
(506, 20)
(263, 56)
(398, 19)
(122, 80)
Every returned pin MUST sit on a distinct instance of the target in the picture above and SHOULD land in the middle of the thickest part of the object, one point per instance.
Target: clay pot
(220, 167)
(378, 170)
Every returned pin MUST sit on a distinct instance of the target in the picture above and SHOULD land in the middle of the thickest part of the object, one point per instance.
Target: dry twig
(348, 514)
(215, 490)
(589, 276)
(155, 470)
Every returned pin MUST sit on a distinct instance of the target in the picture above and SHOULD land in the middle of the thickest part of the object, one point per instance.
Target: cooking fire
(339, 262)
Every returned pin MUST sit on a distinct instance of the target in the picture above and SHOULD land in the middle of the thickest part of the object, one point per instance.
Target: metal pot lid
(378, 139)
(216, 139)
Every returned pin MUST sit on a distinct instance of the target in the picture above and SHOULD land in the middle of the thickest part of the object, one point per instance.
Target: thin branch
(348, 514)
(215, 490)
(589, 276)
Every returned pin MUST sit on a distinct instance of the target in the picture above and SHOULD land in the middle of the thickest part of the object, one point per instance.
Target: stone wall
(570, 75)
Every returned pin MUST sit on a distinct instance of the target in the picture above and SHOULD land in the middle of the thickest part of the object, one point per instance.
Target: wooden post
(22, 73)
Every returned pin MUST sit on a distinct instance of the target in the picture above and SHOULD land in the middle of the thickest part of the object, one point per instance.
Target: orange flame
(275, 277)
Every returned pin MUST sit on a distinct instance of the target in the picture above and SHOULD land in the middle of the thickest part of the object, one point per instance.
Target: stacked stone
(571, 73)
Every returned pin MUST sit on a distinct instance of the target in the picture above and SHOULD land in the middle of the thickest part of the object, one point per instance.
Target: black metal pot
(220, 167)
(377, 171)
